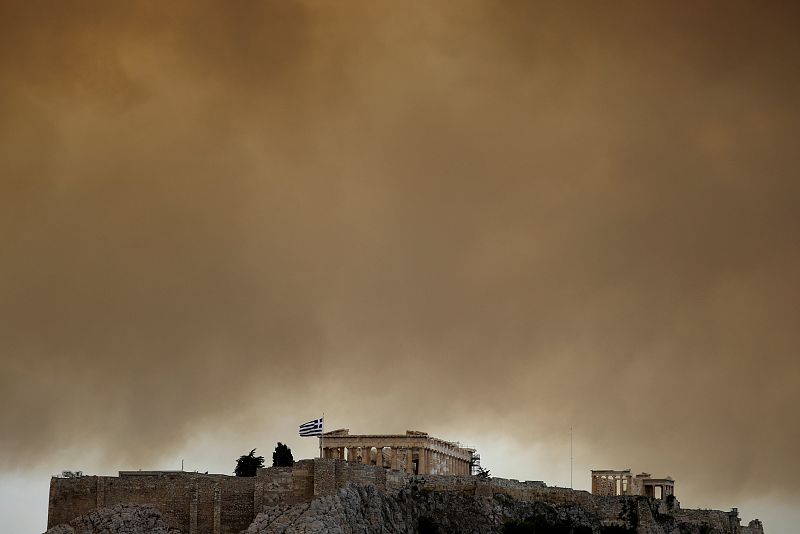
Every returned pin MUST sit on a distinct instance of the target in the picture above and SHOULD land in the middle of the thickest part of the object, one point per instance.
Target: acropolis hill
(403, 483)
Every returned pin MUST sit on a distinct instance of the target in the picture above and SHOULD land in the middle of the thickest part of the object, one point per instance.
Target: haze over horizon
(490, 221)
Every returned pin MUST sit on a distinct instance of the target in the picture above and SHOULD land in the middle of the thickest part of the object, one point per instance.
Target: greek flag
(312, 428)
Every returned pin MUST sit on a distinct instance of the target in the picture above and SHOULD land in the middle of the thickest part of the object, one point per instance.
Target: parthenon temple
(612, 482)
(413, 452)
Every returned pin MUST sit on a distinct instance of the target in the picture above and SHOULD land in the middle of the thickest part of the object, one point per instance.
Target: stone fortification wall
(197, 503)
(190, 502)
(70, 498)
(332, 475)
(718, 519)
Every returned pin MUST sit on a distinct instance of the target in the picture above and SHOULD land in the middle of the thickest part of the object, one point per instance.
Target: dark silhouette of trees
(282, 457)
(247, 465)
(483, 473)
(476, 469)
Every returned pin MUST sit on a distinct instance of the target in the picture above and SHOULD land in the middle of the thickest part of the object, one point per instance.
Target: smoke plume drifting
(477, 216)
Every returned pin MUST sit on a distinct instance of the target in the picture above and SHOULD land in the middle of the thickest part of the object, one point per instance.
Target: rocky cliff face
(119, 519)
(363, 509)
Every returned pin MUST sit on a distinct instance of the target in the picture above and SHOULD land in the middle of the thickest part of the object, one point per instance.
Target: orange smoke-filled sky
(490, 220)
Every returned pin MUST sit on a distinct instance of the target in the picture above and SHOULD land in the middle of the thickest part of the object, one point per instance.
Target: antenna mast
(570, 457)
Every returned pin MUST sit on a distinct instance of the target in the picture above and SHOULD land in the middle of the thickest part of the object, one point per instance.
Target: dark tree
(483, 473)
(282, 457)
(247, 465)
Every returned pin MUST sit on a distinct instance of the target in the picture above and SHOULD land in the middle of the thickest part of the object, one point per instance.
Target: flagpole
(322, 436)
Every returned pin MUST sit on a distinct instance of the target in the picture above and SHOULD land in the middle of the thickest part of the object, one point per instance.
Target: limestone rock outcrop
(118, 519)
(365, 510)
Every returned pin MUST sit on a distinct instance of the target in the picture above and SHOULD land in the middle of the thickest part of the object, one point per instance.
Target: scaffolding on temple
(475, 464)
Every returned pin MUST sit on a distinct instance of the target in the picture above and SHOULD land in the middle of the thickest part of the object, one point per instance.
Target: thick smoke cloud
(580, 213)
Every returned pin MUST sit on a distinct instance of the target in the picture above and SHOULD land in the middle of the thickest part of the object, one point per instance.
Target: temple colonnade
(413, 452)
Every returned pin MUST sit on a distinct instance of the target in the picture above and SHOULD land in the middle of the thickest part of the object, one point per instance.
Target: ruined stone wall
(325, 477)
(449, 483)
(470, 485)
(191, 502)
(272, 487)
(169, 493)
(302, 481)
(216, 504)
(364, 474)
(219, 504)
(237, 506)
(70, 498)
(711, 518)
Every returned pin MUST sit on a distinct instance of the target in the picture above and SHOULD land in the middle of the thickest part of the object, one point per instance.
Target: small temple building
(612, 482)
(413, 452)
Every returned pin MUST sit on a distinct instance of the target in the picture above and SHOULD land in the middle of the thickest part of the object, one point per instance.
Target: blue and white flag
(312, 428)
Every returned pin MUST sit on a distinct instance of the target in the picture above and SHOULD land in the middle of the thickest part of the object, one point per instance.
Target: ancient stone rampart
(197, 503)
(217, 504)
(191, 502)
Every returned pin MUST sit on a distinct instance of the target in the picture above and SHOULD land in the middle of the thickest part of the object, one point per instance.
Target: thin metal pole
(570, 457)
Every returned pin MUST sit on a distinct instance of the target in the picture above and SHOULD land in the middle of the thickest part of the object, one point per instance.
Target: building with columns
(613, 482)
(413, 452)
